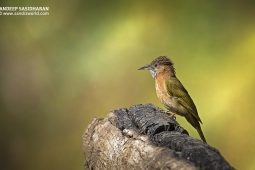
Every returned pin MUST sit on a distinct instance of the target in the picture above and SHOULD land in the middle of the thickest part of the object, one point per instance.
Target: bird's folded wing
(176, 89)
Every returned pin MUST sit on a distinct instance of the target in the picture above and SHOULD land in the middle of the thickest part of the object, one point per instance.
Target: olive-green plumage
(172, 93)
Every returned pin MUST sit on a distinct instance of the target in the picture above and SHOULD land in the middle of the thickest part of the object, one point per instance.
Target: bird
(172, 93)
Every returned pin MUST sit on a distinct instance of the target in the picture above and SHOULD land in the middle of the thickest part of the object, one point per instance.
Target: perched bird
(171, 92)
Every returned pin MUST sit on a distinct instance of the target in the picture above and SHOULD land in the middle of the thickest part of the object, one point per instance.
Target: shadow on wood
(145, 138)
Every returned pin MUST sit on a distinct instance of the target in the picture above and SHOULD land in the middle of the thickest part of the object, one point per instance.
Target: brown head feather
(163, 60)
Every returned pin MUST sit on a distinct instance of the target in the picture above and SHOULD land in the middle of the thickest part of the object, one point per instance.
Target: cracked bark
(145, 138)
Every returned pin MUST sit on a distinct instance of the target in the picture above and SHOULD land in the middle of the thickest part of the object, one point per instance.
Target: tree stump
(143, 137)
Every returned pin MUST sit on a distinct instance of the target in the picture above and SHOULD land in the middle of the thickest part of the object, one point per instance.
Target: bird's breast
(170, 102)
(163, 95)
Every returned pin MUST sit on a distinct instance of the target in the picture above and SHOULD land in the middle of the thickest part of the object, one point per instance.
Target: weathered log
(143, 137)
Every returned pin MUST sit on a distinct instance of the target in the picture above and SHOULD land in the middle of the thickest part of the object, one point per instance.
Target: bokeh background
(57, 72)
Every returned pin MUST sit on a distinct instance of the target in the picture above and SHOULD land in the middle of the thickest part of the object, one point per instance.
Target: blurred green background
(57, 72)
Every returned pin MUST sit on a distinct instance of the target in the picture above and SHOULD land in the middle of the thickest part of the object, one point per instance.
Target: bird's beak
(148, 67)
(152, 70)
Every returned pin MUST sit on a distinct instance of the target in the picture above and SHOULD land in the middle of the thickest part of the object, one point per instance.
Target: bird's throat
(153, 73)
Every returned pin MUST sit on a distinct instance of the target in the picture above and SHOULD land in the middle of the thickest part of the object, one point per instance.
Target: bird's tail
(199, 130)
(194, 122)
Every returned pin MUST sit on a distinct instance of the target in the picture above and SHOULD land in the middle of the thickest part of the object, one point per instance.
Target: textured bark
(145, 138)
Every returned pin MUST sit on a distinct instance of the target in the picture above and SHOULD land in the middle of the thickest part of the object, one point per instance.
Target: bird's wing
(176, 89)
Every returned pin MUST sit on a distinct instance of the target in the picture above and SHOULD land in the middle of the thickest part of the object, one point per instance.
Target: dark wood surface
(143, 137)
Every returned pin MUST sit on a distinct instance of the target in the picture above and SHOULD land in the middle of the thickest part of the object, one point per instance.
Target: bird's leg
(171, 115)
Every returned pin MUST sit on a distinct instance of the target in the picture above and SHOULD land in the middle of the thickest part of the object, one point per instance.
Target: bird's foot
(164, 111)
(171, 115)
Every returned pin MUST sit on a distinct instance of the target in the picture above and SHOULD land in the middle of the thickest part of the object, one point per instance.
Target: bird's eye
(155, 65)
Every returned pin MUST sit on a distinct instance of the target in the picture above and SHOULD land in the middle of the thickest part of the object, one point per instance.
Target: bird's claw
(171, 115)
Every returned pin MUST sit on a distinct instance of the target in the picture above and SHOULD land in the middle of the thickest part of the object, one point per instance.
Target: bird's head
(160, 64)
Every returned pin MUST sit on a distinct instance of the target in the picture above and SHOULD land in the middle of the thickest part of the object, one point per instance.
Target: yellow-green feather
(176, 89)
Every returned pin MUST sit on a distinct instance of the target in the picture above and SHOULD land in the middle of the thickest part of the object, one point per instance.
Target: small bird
(172, 93)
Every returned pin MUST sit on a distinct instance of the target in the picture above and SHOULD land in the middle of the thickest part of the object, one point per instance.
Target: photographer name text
(24, 8)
